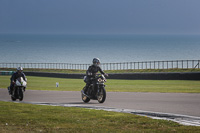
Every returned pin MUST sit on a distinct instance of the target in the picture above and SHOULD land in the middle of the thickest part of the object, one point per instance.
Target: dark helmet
(96, 61)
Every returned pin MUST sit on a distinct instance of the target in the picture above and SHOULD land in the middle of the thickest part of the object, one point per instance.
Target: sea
(81, 49)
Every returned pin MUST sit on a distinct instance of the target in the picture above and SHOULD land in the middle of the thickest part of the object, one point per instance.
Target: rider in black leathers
(17, 74)
(91, 73)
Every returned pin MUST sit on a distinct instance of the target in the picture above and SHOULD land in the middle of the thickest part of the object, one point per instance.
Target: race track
(174, 103)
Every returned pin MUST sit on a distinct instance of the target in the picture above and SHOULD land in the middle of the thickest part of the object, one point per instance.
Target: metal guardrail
(174, 64)
(46, 65)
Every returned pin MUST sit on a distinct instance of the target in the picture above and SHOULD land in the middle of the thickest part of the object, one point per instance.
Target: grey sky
(100, 16)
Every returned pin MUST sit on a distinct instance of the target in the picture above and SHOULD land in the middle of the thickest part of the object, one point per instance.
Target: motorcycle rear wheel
(101, 97)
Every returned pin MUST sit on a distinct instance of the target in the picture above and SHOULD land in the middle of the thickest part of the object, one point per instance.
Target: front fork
(99, 87)
(15, 91)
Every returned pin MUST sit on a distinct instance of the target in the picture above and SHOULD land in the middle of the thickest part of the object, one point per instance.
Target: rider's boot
(10, 90)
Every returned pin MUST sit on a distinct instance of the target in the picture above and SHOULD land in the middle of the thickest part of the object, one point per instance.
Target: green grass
(171, 86)
(46, 83)
(107, 71)
(19, 117)
(23, 118)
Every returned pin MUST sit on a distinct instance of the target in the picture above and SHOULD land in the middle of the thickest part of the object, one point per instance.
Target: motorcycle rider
(17, 74)
(91, 73)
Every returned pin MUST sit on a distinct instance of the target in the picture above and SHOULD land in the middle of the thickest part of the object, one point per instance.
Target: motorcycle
(18, 89)
(97, 92)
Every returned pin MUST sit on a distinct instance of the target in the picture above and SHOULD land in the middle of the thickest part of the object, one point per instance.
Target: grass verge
(23, 118)
(164, 86)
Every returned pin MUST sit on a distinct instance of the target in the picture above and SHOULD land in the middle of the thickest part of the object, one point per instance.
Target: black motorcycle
(97, 92)
(18, 89)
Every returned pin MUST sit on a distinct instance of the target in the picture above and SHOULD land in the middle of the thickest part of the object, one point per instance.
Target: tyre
(21, 94)
(102, 95)
(84, 97)
(13, 95)
(13, 98)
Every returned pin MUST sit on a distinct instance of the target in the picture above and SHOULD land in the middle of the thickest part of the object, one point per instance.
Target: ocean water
(81, 49)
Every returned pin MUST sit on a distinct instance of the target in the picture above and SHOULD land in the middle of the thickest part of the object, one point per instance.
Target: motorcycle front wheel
(84, 97)
(13, 95)
(13, 98)
(101, 97)
(21, 95)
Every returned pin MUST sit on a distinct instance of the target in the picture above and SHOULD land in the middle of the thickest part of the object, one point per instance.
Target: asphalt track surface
(154, 104)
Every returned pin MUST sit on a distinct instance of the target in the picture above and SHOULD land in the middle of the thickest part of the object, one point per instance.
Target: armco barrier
(55, 75)
(135, 76)
(157, 76)
(6, 72)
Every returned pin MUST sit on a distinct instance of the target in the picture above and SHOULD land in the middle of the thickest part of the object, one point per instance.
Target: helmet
(19, 69)
(96, 61)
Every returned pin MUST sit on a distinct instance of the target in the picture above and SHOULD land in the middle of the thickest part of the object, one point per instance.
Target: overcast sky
(100, 16)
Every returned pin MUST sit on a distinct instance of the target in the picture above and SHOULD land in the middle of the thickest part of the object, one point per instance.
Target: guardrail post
(177, 64)
(182, 64)
(150, 64)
